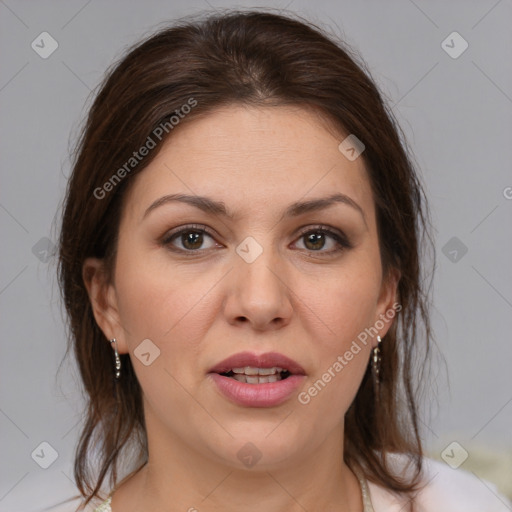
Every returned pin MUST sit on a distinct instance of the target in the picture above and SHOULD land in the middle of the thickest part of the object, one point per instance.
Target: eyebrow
(214, 207)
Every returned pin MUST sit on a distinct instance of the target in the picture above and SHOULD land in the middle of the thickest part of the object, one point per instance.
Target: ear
(387, 305)
(102, 295)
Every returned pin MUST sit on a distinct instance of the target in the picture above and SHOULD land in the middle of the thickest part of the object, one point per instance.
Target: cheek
(167, 304)
(152, 296)
(348, 303)
(347, 306)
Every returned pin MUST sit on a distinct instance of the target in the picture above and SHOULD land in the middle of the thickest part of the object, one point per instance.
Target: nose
(259, 293)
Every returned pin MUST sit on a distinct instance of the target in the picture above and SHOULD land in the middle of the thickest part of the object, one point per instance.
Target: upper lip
(266, 360)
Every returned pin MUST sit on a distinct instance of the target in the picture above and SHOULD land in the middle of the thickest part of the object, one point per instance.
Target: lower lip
(268, 394)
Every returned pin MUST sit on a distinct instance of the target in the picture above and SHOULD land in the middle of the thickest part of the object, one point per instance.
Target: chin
(261, 450)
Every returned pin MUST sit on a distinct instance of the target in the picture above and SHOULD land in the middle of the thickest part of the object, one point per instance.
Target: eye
(315, 240)
(191, 238)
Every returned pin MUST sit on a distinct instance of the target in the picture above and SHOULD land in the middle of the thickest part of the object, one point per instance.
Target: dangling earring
(117, 359)
(376, 359)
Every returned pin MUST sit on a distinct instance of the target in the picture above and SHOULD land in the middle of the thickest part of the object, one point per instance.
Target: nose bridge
(261, 292)
(257, 263)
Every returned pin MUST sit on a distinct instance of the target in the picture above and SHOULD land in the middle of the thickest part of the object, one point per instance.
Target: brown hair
(250, 58)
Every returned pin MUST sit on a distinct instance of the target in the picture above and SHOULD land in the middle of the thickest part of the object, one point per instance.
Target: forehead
(249, 156)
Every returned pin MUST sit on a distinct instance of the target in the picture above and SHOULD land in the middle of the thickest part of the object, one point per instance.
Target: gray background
(457, 115)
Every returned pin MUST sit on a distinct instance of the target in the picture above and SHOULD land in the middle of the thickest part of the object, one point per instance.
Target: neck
(179, 477)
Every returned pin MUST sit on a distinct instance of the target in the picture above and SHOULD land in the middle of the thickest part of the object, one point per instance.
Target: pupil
(316, 238)
(191, 238)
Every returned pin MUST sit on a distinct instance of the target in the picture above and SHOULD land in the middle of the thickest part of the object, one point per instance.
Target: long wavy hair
(254, 58)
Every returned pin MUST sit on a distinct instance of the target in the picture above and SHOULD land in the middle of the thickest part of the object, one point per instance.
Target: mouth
(252, 375)
(247, 367)
(251, 380)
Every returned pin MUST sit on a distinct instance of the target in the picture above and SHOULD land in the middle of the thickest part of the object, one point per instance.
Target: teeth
(248, 379)
(250, 370)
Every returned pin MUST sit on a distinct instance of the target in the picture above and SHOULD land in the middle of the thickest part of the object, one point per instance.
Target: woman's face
(265, 280)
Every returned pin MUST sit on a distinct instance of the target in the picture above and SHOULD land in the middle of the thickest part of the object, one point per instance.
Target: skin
(298, 297)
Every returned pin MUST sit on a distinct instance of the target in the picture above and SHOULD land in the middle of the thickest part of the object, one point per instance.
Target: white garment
(448, 490)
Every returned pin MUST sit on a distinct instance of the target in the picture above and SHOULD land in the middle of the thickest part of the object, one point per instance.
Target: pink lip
(267, 394)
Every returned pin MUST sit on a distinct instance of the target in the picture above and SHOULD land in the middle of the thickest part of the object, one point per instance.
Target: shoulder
(443, 490)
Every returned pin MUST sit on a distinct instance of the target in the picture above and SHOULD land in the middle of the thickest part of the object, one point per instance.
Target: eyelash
(339, 238)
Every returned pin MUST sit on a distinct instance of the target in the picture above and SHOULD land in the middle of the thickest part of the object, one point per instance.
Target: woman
(239, 259)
